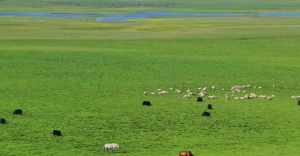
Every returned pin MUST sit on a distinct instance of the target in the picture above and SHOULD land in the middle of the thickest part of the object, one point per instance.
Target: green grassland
(88, 78)
(133, 5)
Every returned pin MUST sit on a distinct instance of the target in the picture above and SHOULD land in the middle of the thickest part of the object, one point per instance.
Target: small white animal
(212, 97)
(186, 96)
(252, 96)
(178, 91)
(236, 98)
(202, 94)
(111, 147)
(295, 97)
(262, 96)
(237, 88)
(242, 98)
(163, 92)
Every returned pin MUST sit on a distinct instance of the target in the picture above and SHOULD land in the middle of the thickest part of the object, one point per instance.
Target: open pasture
(142, 5)
(87, 79)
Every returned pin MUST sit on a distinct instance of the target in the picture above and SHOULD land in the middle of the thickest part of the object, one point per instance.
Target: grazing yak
(147, 103)
(209, 106)
(112, 147)
(57, 133)
(2, 121)
(206, 114)
(186, 153)
(18, 112)
(199, 99)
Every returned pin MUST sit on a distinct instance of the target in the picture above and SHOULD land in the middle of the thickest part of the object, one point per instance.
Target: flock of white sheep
(236, 92)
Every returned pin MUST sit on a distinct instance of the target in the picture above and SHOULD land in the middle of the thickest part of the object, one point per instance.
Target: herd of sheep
(236, 92)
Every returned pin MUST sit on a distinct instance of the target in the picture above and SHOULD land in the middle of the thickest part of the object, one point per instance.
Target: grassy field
(87, 79)
(134, 5)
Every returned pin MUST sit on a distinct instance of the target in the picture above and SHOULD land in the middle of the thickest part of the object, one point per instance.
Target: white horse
(112, 147)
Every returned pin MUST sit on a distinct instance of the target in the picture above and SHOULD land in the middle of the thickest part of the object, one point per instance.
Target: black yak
(209, 106)
(57, 133)
(18, 112)
(147, 103)
(206, 114)
(199, 99)
(2, 121)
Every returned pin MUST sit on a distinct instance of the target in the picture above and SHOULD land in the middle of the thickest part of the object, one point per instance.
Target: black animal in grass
(18, 112)
(206, 114)
(3, 121)
(298, 102)
(57, 133)
(210, 106)
(199, 99)
(147, 103)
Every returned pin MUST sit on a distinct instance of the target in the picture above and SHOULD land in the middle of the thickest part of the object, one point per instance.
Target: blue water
(142, 15)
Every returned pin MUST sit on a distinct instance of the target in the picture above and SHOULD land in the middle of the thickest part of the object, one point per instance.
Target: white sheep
(252, 96)
(187, 96)
(111, 147)
(163, 92)
(178, 91)
(202, 94)
(212, 97)
(236, 98)
(295, 97)
(152, 93)
(242, 98)
(237, 88)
